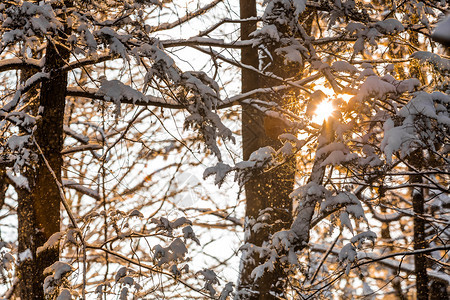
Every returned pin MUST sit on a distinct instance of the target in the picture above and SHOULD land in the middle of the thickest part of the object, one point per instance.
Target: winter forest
(224, 149)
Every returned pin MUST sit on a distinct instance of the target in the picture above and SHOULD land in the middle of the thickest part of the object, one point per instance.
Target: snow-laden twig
(76, 149)
(148, 267)
(146, 100)
(200, 41)
(80, 188)
(17, 63)
(30, 83)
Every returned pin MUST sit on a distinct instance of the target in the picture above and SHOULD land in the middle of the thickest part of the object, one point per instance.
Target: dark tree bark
(39, 208)
(420, 260)
(267, 195)
(416, 159)
(438, 290)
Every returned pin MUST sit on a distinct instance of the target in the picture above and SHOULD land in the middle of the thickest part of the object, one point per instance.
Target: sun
(323, 112)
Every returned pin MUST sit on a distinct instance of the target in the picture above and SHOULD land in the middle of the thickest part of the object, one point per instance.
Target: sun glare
(346, 97)
(323, 111)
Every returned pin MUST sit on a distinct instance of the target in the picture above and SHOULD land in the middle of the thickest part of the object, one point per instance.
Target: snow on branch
(81, 148)
(408, 134)
(202, 41)
(18, 63)
(145, 100)
(18, 181)
(26, 21)
(31, 82)
(196, 91)
(81, 188)
(440, 63)
(260, 161)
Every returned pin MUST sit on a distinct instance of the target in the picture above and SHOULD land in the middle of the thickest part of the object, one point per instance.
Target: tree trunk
(416, 159)
(420, 260)
(267, 195)
(438, 290)
(39, 209)
(387, 238)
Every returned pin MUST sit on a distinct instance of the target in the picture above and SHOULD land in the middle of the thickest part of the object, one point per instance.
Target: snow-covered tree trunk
(252, 135)
(39, 209)
(268, 204)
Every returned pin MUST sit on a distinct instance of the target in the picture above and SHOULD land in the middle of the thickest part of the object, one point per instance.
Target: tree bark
(438, 290)
(267, 195)
(39, 208)
(420, 260)
(416, 159)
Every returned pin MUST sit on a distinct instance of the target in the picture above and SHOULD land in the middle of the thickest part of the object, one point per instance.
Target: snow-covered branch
(18, 63)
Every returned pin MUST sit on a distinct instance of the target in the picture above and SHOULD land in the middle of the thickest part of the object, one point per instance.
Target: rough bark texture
(267, 195)
(3, 186)
(438, 290)
(420, 260)
(416, 159)
(39, 209)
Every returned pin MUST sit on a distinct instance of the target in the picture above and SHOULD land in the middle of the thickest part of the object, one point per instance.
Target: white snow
(373, 86)
(64, 295)
(262, 154)
(345, 220)
(390, 26)
(115, 41)
(396, 138)
(59, 269)
(442, 32)
(347, 252)
(422, 103)
(343, 66)
(7, 261)
(408, 85)
(121, 273)
(26, 254)
(352, 27)
(80, 188)
(363, 237)
(367, 72)
(19, 180)
(290, 53)
(136, 213)
(176, 251)
(115, 91)
(52, 241)
(227, 290)
(442, 64)
(267, 30)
